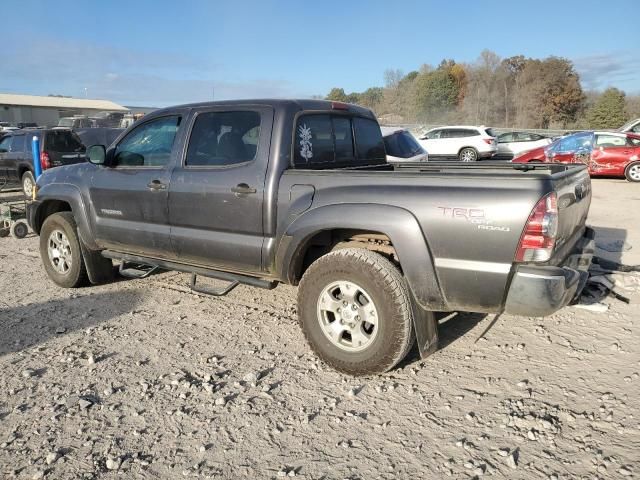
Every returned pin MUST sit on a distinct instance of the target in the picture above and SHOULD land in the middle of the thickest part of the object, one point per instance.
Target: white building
(46, 111)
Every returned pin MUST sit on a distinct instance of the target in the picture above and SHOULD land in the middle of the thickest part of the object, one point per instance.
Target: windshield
(402, 144)
(65, 122)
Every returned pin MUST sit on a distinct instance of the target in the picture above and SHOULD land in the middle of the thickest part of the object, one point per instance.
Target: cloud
(604, 70)
(127, 76)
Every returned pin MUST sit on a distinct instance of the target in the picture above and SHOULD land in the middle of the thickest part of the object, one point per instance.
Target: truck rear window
(337, 141)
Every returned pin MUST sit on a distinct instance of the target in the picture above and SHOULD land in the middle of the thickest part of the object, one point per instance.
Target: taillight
(45, 161)
(539, 236)
(339, 106)
(488, 140)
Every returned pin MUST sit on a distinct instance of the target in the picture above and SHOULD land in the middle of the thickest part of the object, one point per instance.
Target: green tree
(608, 111)
(337, 95)
(436, 93)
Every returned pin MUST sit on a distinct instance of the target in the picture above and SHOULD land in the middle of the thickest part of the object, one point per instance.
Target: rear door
(217, 189)
(130, 195)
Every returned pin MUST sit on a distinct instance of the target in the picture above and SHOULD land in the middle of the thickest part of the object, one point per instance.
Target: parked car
(76, 122)
(401, 146)
(512, 144)
(465, 143)
(98, 135)
(632, 126)
(107, 119)
(57, 147)
(605, 153)
(262, 192)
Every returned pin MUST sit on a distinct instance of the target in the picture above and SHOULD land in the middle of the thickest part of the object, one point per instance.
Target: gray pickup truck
(299, 192)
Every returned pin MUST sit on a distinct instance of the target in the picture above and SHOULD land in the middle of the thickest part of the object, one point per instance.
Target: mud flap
(99, 269)
(425, 326)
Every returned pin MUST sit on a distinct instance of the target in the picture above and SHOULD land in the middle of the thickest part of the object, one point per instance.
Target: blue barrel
(35, 150)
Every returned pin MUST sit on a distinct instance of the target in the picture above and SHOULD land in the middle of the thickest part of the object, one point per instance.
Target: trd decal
(475, 216)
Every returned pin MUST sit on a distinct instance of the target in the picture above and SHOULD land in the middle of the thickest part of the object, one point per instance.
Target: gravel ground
(143, 379)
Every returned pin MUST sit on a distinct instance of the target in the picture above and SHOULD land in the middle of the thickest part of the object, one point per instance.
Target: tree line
(513, 92)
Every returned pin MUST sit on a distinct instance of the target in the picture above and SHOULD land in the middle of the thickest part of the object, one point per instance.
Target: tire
(4, 232)
(468, 154)
(19, 229)
(632, 172)
(373, 348)
(63, 262)
(28, 183)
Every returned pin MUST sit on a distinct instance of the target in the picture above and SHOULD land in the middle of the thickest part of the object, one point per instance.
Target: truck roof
(278, 104)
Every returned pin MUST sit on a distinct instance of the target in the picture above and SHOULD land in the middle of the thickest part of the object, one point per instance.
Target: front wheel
(632, 172)
(355, 310)
(60, 251)
(468, 155)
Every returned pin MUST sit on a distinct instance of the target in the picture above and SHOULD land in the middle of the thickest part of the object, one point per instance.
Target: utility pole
(86, 95)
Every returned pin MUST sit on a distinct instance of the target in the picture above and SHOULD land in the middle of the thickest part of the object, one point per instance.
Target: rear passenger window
(223, 138)
(17, 144)
(369, 143)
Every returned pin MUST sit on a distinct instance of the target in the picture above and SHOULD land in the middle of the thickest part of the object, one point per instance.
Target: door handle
(156, 185)
(243, 188)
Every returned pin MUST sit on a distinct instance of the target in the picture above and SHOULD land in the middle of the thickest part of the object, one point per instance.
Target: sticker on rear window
(306, 147)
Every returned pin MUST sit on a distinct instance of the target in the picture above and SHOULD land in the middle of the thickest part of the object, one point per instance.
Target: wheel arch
(392, 231)
(54, 198)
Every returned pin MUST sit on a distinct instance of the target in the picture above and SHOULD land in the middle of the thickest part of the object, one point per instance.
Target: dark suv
(57, 147)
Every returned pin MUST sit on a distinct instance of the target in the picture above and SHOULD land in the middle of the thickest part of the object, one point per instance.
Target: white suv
(466, 143)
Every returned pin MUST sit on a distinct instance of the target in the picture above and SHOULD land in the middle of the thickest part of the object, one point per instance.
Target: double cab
(264, 192)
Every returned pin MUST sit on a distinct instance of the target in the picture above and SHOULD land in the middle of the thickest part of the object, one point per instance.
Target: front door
(216, 193)
(129, 194)
(610, 155)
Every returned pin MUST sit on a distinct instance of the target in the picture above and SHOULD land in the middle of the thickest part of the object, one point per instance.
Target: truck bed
(471, 215)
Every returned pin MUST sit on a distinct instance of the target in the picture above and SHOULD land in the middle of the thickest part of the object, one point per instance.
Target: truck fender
(398, 224)
(70, 194)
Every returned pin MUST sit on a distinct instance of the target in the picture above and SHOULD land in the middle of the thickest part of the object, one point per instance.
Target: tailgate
(573, 188)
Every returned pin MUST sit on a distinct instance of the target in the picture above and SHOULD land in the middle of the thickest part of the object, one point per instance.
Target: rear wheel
(28, 182)
(468, 155)
(632, 172)
(60, 251)
(355, 310)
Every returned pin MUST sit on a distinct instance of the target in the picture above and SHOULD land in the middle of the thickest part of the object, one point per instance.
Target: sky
(158, 53)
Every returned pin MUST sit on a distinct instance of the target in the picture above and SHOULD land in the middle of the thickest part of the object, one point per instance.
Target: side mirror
(97, 154)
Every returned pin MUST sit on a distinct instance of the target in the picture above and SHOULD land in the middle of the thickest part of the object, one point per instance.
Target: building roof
(58, 102)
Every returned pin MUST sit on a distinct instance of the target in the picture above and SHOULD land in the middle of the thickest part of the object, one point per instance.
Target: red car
(606, 153)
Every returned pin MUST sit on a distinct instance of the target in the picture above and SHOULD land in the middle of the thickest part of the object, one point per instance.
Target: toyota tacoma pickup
(265, 192)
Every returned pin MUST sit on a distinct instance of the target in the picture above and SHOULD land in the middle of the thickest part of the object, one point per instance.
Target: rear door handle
(243, 188)
(156, 185)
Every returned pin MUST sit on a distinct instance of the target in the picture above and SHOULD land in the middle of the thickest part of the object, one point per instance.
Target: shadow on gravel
(611, 242)
(451, 326)
(27, 325)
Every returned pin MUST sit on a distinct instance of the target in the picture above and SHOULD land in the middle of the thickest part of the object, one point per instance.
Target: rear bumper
(537, 291)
